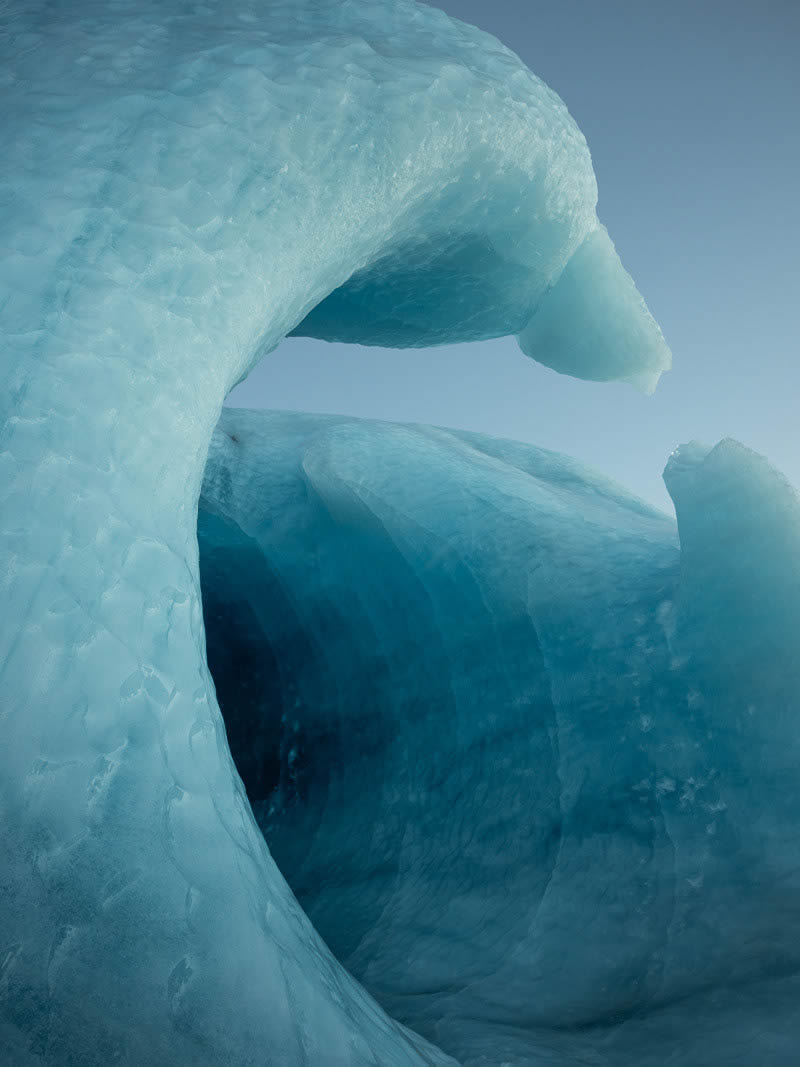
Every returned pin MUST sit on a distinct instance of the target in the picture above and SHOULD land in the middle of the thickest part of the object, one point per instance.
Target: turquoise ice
(526, 756)
(182, 186)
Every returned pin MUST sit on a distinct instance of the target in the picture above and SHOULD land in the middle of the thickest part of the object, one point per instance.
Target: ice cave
(329, 741)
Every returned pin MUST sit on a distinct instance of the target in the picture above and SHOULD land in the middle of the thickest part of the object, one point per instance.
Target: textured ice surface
(183, 184)
(529, 766)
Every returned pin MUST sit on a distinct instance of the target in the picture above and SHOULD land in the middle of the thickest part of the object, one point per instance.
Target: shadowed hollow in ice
(528, 765)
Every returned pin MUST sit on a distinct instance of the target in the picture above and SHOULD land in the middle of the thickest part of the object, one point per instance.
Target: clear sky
(692, 113)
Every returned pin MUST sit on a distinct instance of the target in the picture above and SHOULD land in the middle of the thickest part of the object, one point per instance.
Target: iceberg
(526, 756)
(182, 187)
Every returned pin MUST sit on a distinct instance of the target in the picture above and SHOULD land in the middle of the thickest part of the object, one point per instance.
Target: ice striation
(528, 763)
(182, 186)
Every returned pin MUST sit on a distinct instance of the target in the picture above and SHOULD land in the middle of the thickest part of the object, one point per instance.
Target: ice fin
(739, 524)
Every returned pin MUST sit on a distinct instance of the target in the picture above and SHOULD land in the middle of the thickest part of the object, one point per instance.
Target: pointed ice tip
(646, 381)
(594, 324)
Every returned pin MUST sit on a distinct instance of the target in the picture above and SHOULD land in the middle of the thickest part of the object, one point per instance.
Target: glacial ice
(182, 186)
(528, 764)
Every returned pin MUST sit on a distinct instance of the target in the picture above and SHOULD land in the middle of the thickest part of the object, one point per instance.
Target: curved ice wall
(528, 760)
(183, 185)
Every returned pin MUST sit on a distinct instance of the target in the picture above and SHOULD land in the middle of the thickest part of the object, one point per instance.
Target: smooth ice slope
(181, 186)
(530, 768)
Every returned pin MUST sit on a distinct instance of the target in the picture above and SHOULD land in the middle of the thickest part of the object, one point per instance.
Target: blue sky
(692, 114)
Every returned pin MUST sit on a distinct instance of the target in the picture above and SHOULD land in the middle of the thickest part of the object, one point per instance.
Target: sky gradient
(691, 114)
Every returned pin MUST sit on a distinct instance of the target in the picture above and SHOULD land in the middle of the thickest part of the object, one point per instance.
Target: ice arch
(184, 184)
